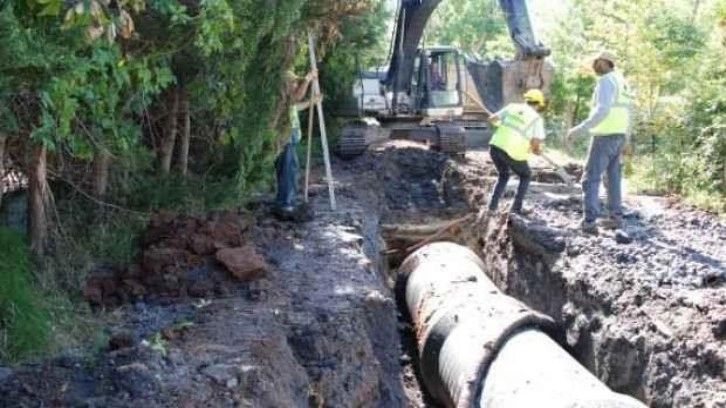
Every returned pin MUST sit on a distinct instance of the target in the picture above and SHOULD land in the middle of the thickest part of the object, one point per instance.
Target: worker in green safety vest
(519, 132)
(609, 124)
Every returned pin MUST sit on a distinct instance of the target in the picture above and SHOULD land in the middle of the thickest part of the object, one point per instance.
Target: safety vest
(618, 119)
(293, 116)
(511, 135)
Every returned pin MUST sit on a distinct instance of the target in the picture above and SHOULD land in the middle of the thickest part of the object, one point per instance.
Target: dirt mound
(318, 330)
(182, 256)
(416, 179)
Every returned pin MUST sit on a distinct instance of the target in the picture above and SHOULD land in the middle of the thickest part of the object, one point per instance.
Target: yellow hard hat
(536, 96)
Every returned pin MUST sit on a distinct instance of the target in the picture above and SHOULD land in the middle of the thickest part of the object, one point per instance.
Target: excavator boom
(413, 15)
(434, 94)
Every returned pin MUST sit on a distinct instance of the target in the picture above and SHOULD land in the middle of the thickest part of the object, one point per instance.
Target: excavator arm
(413, 15)
(522, 31)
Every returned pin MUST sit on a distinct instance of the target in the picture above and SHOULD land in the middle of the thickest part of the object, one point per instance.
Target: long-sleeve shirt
(603, 99)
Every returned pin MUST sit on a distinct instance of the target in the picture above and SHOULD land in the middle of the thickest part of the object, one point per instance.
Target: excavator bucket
(498, 83)
(417, 109)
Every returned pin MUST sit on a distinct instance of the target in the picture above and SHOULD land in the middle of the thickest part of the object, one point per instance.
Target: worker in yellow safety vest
(519, 132)
(609, 124)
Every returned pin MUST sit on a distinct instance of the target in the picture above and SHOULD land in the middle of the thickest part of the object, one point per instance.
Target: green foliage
(478, 27)
(364, 46)
(672, 54)
(24, 324)
(175, 193)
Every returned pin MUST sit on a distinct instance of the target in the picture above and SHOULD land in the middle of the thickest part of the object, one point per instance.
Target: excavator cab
(437, 83)
(437, 96)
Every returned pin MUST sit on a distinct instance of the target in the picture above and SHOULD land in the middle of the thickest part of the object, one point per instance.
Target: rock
(232, 383)
(156, 259)
(622, 237)
(221, 373)
(225, 230)
(201, 244)
(175, 357)
(244, 263)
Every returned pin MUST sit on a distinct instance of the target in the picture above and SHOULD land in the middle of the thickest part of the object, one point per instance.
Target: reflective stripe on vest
(618, 118)
(511, 135)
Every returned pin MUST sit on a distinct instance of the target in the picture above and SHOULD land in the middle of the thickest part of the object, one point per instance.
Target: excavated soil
(317, 327)
(239, 309)
(642, 308)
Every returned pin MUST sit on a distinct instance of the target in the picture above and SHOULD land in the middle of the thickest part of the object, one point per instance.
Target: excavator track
(352, 142)
(452, 140)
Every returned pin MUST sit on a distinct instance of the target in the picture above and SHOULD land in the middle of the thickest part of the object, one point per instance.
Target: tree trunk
(694, 15)
(166, 150)
(37, 200)
(101, 164)
(3, 143)
(183, 159)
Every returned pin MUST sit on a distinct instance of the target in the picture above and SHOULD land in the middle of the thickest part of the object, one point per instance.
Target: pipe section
(481, 348)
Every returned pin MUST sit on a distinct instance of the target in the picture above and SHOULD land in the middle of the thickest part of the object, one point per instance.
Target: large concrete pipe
(481, 348)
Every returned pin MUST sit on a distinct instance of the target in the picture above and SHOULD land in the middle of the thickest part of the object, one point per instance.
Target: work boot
(298, 213)
(612, 223)
(588, 227)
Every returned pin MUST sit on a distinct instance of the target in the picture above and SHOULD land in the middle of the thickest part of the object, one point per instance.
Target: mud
(645, 310)
(319, 329)
(641, 308)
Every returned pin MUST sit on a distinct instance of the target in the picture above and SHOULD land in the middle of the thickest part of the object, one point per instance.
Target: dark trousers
(286, 169)
(504, 165)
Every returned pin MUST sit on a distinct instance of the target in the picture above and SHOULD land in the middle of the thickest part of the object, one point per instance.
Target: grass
(651, 176)
(25, 327)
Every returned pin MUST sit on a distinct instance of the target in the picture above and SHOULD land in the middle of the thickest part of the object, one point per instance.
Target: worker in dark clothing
(519, 132)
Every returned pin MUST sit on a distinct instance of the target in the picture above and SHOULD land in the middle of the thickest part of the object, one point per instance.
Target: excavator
(437, 95)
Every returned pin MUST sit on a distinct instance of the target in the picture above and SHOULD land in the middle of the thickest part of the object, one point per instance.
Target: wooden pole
(311, 117)
(323, 135)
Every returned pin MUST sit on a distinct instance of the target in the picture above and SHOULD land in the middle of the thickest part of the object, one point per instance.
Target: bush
(24, 323)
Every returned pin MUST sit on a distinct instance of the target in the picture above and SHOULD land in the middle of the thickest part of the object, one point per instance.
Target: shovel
(559, 170)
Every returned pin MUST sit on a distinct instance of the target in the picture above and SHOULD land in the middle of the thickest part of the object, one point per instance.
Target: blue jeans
(286, 169)
(603, 156)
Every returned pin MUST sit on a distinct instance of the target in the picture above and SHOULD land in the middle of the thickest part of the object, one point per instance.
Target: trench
(425, 194)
